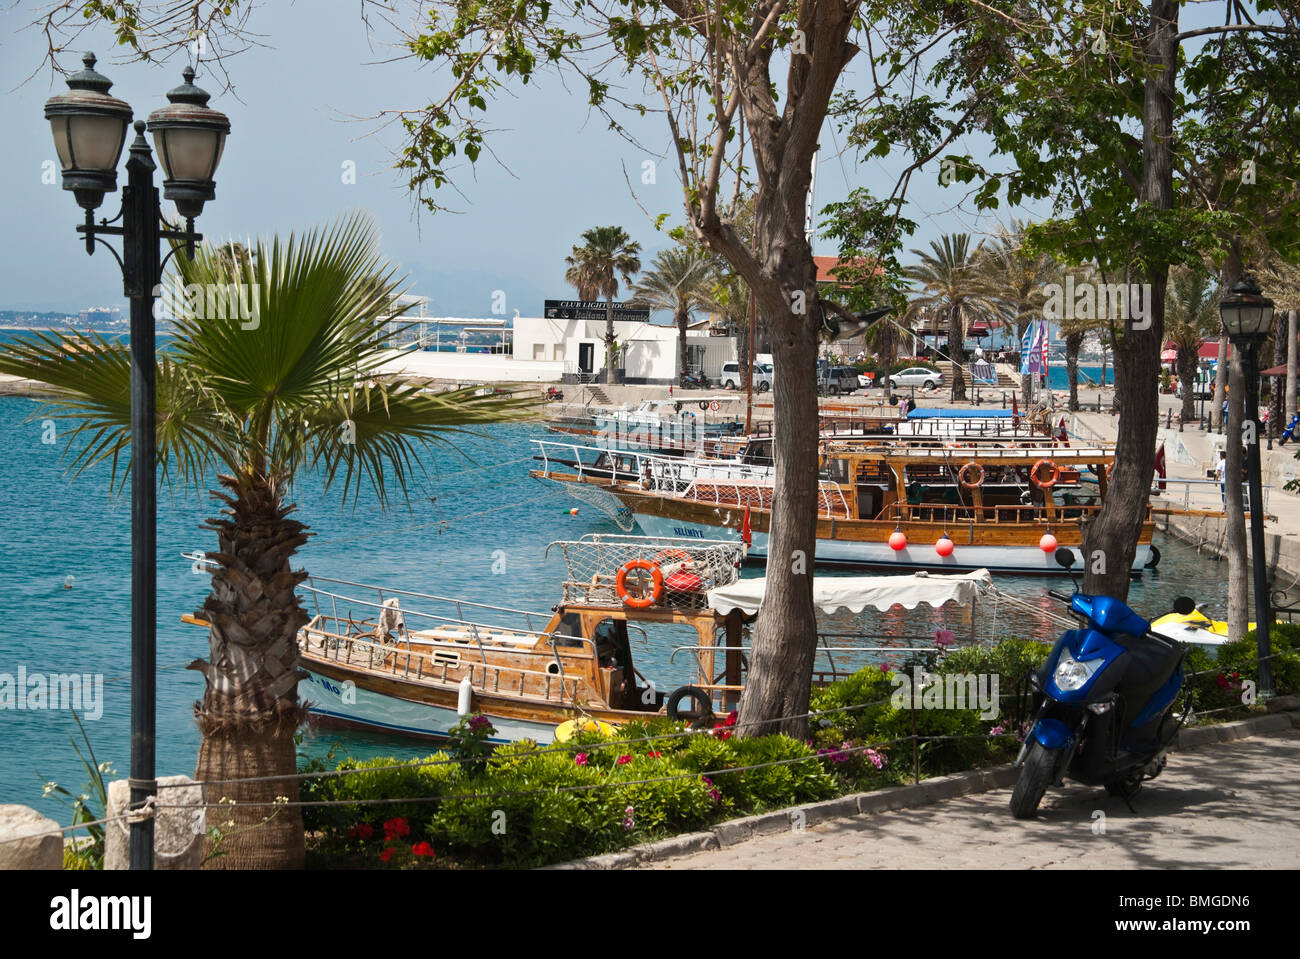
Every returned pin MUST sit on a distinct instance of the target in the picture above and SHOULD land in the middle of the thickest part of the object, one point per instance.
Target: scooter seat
(1149, 667)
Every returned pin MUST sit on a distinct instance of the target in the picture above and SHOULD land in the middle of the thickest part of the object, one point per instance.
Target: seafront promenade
(1223, 805)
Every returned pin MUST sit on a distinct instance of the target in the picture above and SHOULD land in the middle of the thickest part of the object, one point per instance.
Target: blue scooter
(1107, 694)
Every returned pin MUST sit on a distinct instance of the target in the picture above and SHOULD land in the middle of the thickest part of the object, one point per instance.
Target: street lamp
(1247, 315)
(89, 129)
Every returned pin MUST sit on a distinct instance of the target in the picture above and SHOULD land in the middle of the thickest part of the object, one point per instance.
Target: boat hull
(1001, 558)
(343, 702)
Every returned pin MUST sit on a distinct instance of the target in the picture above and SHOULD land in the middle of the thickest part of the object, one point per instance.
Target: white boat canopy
(856, 593)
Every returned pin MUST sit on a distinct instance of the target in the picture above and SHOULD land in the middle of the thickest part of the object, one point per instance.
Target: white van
(731, 379)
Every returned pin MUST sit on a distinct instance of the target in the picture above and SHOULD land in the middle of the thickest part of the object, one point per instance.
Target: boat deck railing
(686, 570)
(707, 481)
(442, 664)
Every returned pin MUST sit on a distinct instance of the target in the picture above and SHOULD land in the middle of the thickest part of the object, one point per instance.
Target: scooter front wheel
(1035, 777)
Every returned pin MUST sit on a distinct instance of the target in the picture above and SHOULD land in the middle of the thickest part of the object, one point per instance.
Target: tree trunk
(785, 637)
(681, 317)
(1111, 539)
(1220, 382)
(1239, 571)
(1187, 369)
(250, 709)
(956, 353)
(609, 340)
(1276, 423)
(1072, 343)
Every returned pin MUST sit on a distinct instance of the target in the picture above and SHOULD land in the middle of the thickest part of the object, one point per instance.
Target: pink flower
(944, 637)
(624, 760)
(876, 759)
(884, 667)
(581, 759)
(480, 722)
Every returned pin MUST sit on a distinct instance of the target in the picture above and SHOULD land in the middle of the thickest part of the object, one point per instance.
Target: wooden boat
(403, 670)
(994, 503)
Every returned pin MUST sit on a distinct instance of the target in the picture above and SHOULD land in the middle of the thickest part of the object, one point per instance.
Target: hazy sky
(294, 131)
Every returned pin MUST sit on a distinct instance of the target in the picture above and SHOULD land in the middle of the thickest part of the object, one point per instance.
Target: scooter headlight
(1072, 673)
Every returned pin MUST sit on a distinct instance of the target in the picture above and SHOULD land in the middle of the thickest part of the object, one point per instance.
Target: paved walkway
(1220, 806)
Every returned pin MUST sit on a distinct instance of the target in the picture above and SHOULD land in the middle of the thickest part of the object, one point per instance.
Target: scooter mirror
(1184, 605)
(1065, 557)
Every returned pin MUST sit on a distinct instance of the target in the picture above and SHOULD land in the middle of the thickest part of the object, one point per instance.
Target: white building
(553, 351)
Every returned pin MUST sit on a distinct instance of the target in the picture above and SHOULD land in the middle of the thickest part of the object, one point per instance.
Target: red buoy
(1048, 543)
(944, 546)
(897, 540)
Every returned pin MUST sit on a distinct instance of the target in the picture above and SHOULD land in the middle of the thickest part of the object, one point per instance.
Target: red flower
(396, 828)
(731, 718)
(362, 831)
(623, 760)
(580, 759)
(422, 849)
(654, 755)
(387, 854)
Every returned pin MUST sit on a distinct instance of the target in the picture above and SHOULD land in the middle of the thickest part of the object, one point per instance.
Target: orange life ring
(639, 602)
(1045, 484)
(680, 555)
(971, 483)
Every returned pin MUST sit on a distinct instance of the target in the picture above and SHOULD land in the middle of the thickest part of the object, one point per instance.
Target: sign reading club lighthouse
(592, 310)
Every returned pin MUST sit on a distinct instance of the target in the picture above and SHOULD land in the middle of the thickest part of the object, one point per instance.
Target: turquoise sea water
(1058, 377)
(54, 526)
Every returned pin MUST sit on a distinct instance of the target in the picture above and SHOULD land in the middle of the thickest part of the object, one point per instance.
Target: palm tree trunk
(681, 345)
(1275, 415)
(250, 709)
(1187, 357)
(609, 339)
(956, 353)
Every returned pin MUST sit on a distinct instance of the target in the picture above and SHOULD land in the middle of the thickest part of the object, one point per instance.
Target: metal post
(140, 243)
(1250, 370)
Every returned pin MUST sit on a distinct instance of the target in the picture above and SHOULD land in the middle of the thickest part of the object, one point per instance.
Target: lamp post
(1247, 315)
(90, 129)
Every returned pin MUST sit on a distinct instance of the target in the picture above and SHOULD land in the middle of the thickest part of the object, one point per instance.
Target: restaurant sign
(592, 310)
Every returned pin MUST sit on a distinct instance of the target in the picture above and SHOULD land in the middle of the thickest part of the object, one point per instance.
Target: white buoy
(465, 699)
(67, 583)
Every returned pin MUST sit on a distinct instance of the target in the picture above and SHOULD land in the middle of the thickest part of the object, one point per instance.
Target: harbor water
(476, 526)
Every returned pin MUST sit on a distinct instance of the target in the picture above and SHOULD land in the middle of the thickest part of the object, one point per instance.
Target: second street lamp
(90, 129)
(1247, 315)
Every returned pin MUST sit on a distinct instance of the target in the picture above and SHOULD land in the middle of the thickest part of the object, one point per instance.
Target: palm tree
(1016, 281)
(261, 404)
(682, 281)
(1191, 315)
(950, 283)
(594, 268)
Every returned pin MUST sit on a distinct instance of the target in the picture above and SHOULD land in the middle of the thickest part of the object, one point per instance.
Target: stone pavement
(1220, 806)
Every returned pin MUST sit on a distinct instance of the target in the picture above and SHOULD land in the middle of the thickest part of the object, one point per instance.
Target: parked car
(916, 376)
(866, 380)
(836, 379)
(731, 379)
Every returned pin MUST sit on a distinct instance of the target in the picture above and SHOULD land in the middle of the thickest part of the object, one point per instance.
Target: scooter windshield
(1109, 614)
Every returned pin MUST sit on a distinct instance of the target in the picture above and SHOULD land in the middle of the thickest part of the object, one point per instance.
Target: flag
(1063, 435)
(1026, 347)
(1160, 466)
(745, 536)
(1015, 413)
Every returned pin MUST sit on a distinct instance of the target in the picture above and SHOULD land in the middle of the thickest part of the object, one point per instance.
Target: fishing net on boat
(598, 499)
(644, 571)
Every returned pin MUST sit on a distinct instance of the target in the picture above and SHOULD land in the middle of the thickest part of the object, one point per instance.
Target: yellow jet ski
(1194, 627)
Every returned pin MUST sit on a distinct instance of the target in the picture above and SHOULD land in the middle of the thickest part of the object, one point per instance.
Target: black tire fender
(675, 698)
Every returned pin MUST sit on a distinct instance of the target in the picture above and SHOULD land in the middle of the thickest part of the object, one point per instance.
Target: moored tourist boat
(998, 506)
(378, 658)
